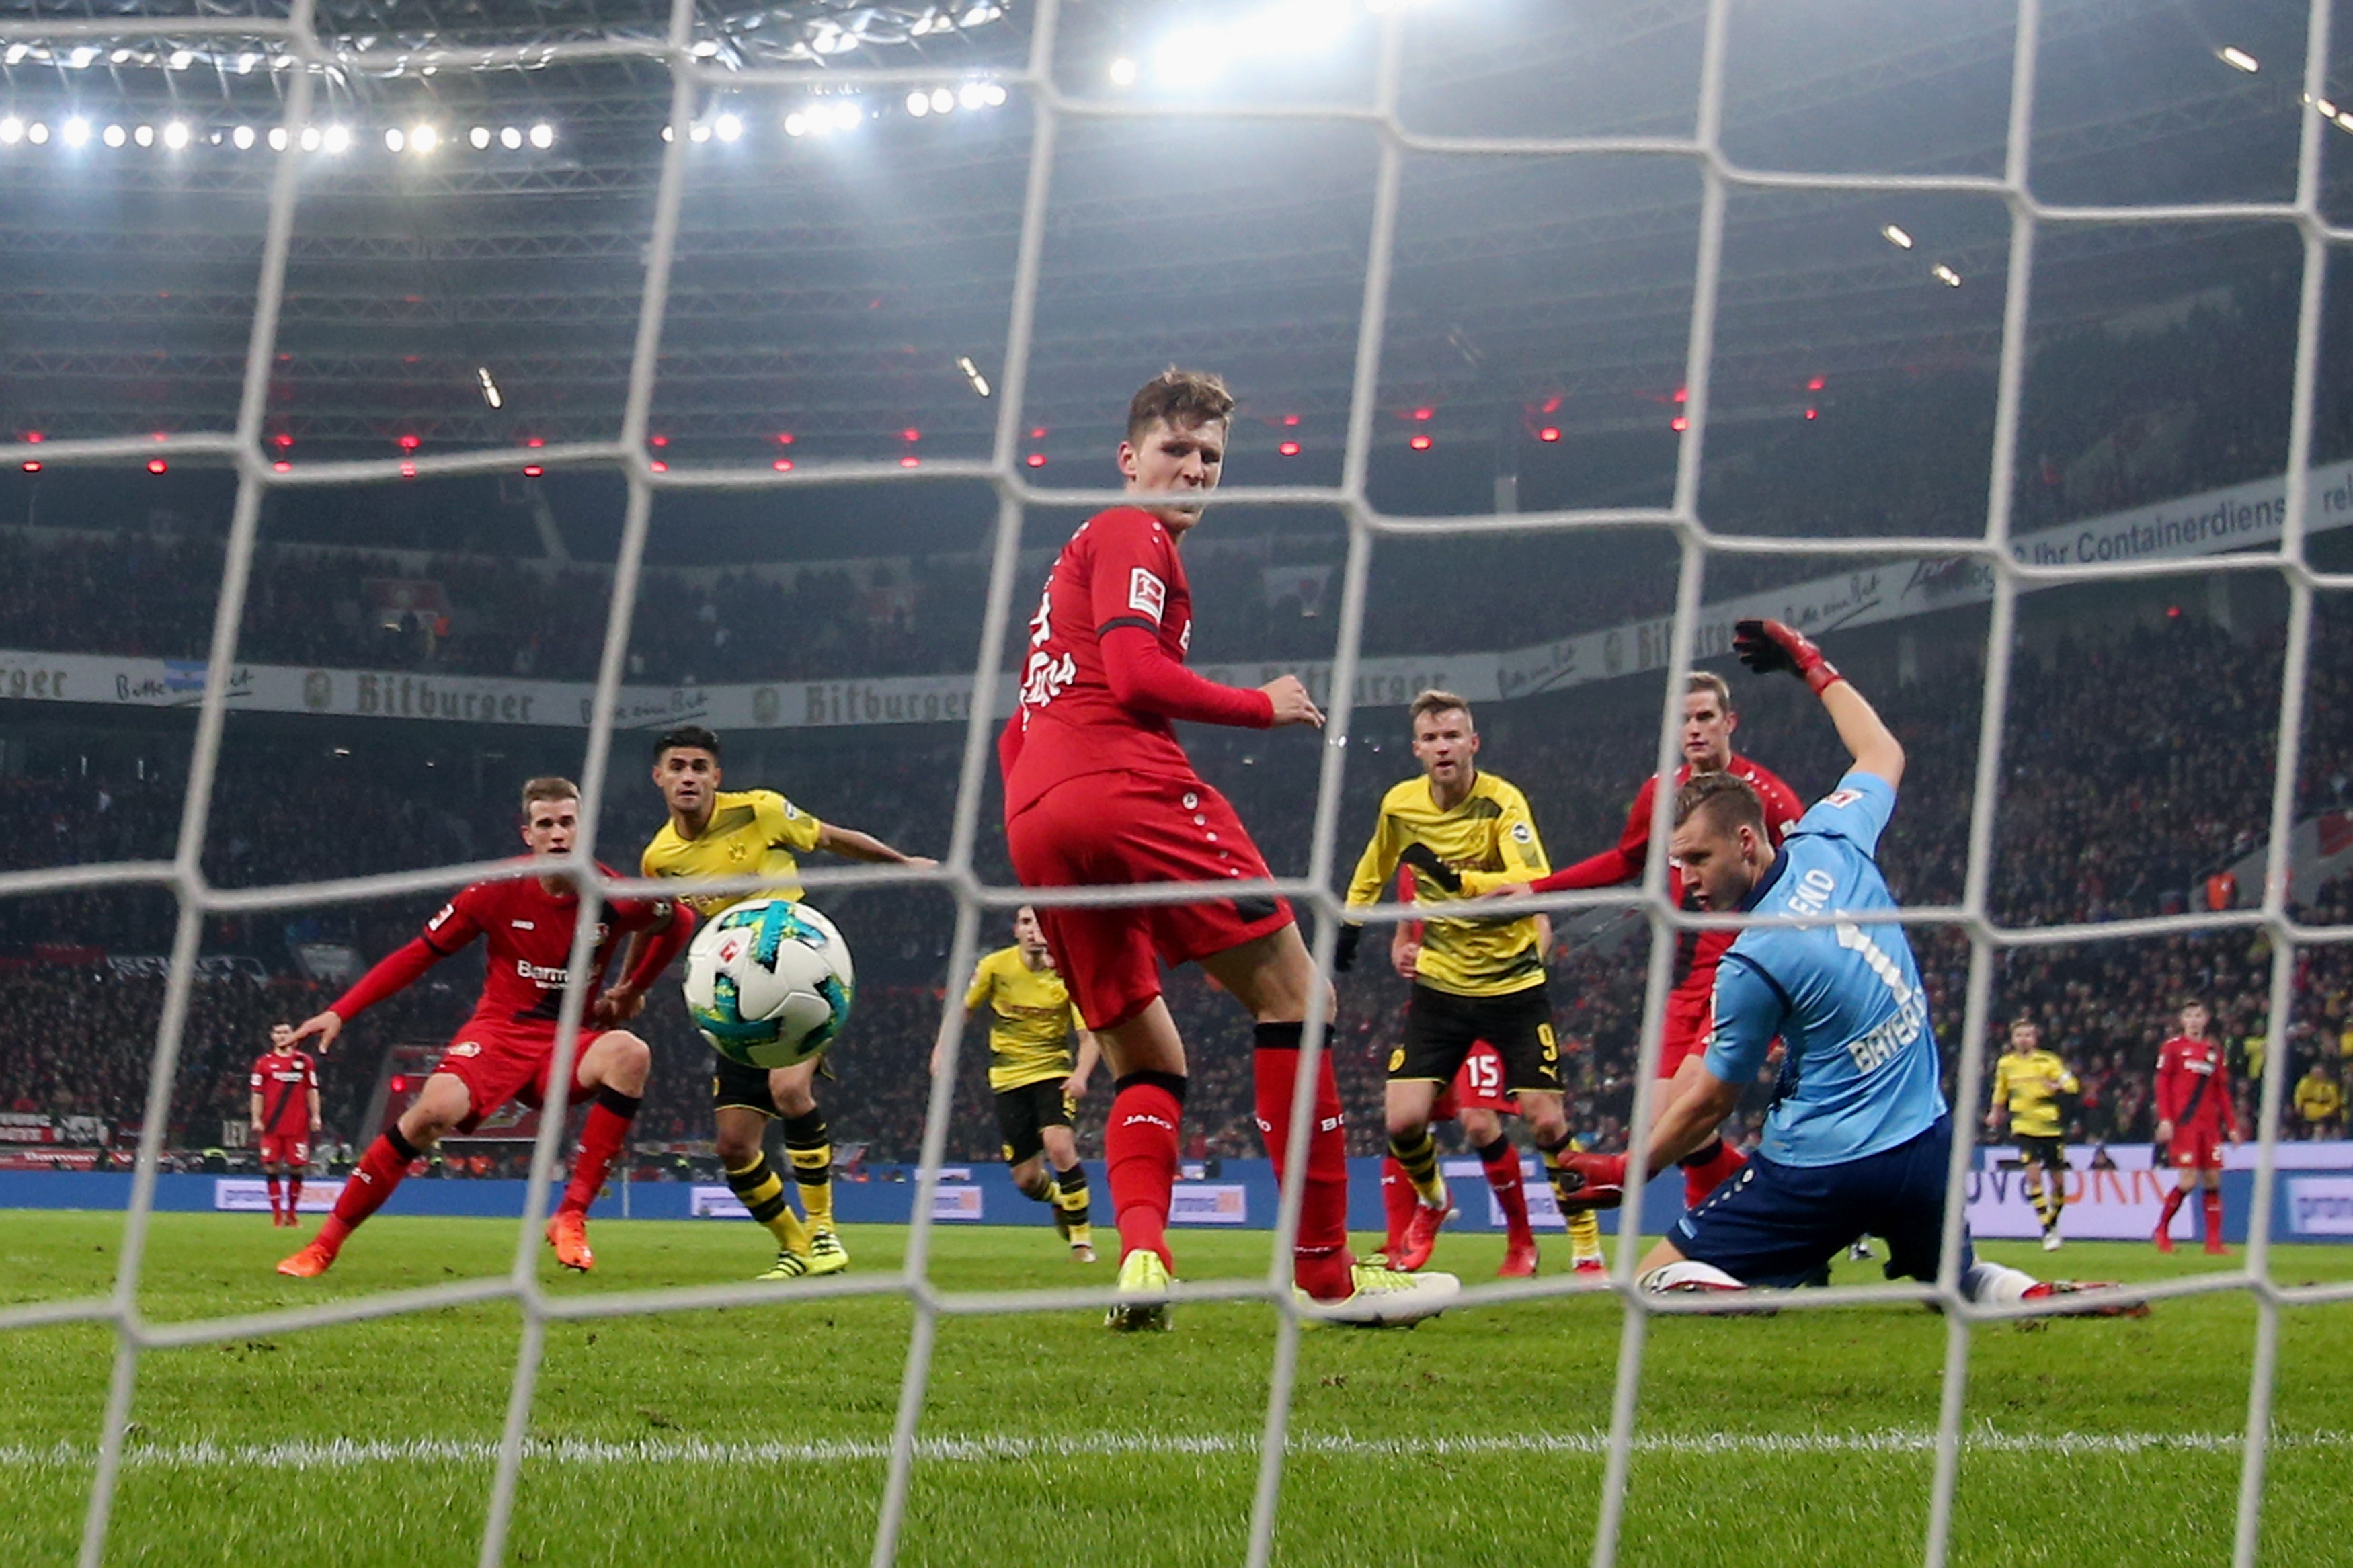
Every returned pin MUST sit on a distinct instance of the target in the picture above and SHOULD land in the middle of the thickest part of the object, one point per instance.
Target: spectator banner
(1204, 1203)
(244, 1195)
(21, 1128)
(2122, 1200)
(716, 1203)
(2320, 1205)
(2237, 517)
(211, 967)
(2319, 850)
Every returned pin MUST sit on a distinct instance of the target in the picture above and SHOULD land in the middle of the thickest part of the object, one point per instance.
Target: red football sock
(293, 1195)
(1707, 1170)
(1320, 1261)
(1502, 1166)
(2213, 1198)
(1398, 1198)
(380, 1170)
(1140, 1157)
(275, 1197)
(2172, 1206)
(600, 1140)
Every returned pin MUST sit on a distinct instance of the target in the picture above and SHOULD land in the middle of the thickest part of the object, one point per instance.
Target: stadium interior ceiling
(467, 261)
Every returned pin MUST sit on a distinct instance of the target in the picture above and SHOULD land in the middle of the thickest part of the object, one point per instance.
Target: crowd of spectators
(2114, 415)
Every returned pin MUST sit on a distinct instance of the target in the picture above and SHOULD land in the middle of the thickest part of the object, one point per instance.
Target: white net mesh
(692, 76)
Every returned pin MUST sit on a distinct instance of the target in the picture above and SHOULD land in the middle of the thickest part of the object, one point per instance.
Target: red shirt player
(1478, 1100)
(1708, 723)
(285, 1116)
(2193, 1113)
(507, 1048)
(1098, 793)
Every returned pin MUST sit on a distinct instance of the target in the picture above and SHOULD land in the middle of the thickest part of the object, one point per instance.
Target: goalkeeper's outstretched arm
(1768, 645)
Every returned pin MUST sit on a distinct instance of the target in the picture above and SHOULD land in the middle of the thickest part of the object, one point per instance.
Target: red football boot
(310, 1263)
(567, 1232)
(1421, 1235)
(1519, 1259)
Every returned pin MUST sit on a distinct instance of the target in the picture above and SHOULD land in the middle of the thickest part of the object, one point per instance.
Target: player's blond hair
(1729, 802)
(548, 788)
(1435, 700)
(1709, 681)
(1183, 399)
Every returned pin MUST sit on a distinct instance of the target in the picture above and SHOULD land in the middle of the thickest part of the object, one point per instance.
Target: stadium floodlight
(114, 136)
(423, 138)
(11, 130)
(728, 128)
(337, 140)
(175, 135)
(1896, 237)
(698, 132)
(76, 132)
(277, 138)
(245, 64)
(1944, 275)
(971, 95)
(2238, 58)
(182, 60)
(542, 135)
(144, 135)
(311, 138)
(796, 124)
(1191, 55)
(942, 101)
(80, 58)
(2345, 120)
(479, 136)
(1123, 72)
(510, 137)
(37, 134)
(490, 393)
(395, 139)
(706, 49)
(919, 104)
(972, 374)
(121, 57)
(993, 94)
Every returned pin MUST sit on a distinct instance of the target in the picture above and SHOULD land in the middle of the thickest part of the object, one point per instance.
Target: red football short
(501, 1063)
(2194, 1148)
(285, 1148)
(1478, 1085)
(1119, 829)
(1686, 1024)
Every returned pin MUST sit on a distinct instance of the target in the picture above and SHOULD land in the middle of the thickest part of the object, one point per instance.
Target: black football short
(733, 1083)
(1022, 1113)
(2051, 1153)
(1441, 1028)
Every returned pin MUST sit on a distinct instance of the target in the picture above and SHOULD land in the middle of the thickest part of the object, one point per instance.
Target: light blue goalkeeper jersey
(1860, 1071)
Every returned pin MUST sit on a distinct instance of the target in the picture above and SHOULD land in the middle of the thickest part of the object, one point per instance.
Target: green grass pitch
(748, 1435)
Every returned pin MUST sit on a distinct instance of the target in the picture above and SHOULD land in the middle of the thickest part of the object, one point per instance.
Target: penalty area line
(343, 1453)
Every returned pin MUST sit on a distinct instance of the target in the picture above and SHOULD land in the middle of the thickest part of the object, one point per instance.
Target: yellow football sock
(1585, 1235)
(762, 1191)
(1419, 1157)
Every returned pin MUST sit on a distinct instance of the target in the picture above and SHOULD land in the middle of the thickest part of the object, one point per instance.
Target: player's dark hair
(1729, 801)
(1707, 681)
(1184, 398)
(2189, 1002)
(1437, 701)
(551, 787)
(694, 737)
(2026, 1018)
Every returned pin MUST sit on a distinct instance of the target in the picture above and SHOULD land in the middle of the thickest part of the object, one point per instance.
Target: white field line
(343, 1453)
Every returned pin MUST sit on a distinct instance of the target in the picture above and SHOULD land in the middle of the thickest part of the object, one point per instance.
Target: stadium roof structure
(829, 279)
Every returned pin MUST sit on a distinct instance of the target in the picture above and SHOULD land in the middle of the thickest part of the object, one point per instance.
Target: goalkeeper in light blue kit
(1858, 1137)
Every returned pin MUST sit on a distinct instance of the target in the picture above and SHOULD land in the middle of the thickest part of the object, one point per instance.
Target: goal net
(1697, 155)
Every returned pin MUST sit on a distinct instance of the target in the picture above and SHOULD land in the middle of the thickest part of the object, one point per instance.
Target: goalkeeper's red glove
(1768, 646)
(1589, 1181)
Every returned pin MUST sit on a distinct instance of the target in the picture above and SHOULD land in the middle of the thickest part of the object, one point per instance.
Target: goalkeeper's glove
(1343, 950)
(1585, 1182)
(1768, 645)
(1424, 859)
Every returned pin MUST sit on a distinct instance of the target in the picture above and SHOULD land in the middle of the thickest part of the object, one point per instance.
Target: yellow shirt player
(1033, 1074)
(2318, 1101)
(1477, 977)
(2027, 1083)
(757, 833)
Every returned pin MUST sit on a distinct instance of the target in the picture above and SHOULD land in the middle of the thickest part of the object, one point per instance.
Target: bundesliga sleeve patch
(1148, 592)
(1842, 797)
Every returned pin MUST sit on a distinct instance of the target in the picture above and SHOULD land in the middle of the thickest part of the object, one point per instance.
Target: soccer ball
(769, 983)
